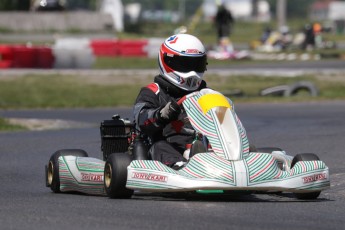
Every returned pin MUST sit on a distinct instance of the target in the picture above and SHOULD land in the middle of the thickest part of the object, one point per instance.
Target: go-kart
(220, 159)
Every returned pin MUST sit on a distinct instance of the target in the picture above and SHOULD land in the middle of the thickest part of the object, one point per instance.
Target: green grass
(58, 91)
(6, 126)
(61, 91)
(330, 88)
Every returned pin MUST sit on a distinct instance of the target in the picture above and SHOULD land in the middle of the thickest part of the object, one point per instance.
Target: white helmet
(182, 61)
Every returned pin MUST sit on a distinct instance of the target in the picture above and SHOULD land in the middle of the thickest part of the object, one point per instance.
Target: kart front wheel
(115, 176)
(306, 157)
(52, 169)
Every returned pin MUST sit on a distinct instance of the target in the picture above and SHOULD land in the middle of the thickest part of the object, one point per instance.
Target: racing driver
(182, 62)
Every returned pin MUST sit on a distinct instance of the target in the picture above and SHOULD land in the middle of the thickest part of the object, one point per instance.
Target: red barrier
(44, 58)
(113, 48)
(133, 48)
(6, 56)
(23, 56)
(105, 47)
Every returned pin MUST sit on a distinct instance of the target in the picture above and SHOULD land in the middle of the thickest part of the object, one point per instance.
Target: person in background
(309, 40)
(265, 35)
(224, 22)
(317, 30)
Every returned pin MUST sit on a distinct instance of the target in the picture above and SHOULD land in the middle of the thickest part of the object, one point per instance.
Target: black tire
(115, 176)
(301, 85)
(52, 169)
(278, 90)
(305, 157)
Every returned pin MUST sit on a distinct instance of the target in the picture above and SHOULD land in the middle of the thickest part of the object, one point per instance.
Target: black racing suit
(168, 140)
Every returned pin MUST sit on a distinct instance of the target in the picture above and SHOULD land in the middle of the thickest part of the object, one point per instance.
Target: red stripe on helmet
(168, 50)
(164, 66)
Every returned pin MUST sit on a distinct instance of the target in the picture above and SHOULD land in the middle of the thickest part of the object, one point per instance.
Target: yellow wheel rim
(108, 174)
(50, 172)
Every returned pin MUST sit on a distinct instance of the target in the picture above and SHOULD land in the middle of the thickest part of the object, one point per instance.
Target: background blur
(117, 28)
(285, 50)
(135, 14)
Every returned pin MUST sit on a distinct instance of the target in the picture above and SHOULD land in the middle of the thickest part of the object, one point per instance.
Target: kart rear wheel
(115, 176)
(306, 157)
(52, 169)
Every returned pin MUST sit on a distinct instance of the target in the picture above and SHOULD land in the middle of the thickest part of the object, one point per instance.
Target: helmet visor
(186, 64)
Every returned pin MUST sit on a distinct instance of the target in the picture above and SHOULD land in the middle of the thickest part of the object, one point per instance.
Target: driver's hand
(169, 112)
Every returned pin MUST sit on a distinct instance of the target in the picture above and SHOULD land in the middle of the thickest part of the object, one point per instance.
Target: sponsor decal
(313, 178)
(92, 177)
(149, 176)
(172, 39)
(192, 51)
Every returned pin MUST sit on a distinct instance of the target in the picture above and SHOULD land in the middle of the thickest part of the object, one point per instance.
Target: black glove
(169, 112)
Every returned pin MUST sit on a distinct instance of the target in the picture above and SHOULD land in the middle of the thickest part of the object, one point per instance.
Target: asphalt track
(25, 202)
